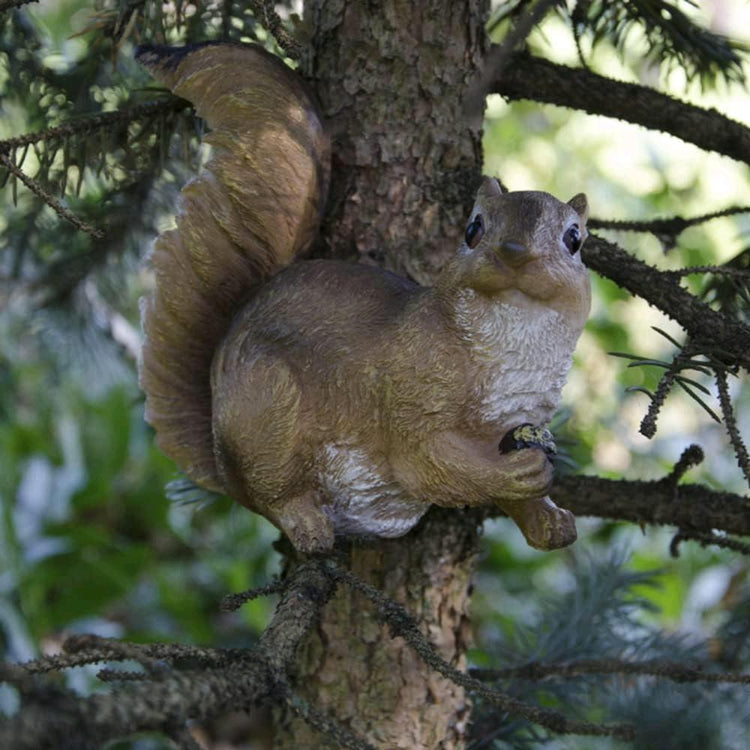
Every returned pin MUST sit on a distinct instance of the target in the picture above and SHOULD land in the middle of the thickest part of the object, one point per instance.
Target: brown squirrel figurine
(337, 398)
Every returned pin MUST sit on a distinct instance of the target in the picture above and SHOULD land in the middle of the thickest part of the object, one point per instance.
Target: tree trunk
(391, 78)
(406, 163)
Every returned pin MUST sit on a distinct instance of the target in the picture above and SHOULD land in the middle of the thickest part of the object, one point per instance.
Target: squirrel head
(524, 247)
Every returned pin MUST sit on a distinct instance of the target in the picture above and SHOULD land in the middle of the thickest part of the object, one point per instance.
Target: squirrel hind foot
(305, 523)
(545, 525)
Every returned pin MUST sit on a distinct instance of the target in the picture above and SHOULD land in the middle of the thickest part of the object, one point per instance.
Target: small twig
(706, 539)
(232, 602)
(51, 201)
(403, 625)
(690, 457)
(737, 273)
(120, 650)
(578, 20)
(740, 450)
(90, 649)
(648, 423)
(652, 667)
(671, 227)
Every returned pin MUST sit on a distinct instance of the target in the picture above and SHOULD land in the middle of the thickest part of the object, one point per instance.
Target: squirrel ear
(580, 204)
(490, 188)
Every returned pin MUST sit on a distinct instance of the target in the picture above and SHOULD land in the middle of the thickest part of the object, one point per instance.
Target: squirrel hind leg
(303, 520)
(260, 449)
(256, 426)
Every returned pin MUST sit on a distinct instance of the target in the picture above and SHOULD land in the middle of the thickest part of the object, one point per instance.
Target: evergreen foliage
(600, 624)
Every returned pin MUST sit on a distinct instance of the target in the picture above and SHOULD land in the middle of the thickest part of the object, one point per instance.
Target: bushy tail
(255, 206)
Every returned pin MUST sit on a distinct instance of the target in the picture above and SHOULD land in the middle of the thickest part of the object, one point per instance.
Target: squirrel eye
(475, 231)
(572, 239)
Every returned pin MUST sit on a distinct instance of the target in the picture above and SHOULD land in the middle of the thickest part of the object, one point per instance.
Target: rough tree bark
(390, 78)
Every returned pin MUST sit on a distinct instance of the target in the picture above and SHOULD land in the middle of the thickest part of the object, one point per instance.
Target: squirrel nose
(513, 248)
(513, 253)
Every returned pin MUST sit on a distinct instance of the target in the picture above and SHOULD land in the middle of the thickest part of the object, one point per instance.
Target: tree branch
(89, 649)
(167, 703)
(529, 77)
(501, 54)
(88, 124)
(707, 328)
(673, 226)
(654, 667)
(264, 11)
(705, 540)
(61, 210)
(326, 726)
(689, 506)
(231, 602)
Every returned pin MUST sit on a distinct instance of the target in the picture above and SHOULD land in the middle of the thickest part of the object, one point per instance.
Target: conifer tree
(370, 647)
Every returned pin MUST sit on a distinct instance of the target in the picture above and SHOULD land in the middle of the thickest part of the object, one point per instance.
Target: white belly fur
(360, 499)
(523, 357)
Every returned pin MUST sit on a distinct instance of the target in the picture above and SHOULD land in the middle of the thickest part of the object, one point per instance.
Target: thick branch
(662, 289)
(70, 721)
(528, 77)
(690, 506)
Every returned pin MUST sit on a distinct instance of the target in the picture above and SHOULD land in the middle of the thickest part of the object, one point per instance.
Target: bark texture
(390, 78)
(406, 164)
(352, 669)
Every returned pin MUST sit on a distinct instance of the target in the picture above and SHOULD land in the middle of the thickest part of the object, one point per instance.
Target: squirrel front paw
(545, 525)
(527, 474)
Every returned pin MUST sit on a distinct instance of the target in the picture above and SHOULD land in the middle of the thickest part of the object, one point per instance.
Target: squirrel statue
(336, 398)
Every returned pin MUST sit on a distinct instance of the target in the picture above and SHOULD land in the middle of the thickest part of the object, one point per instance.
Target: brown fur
(254, 207)
(345, 399)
